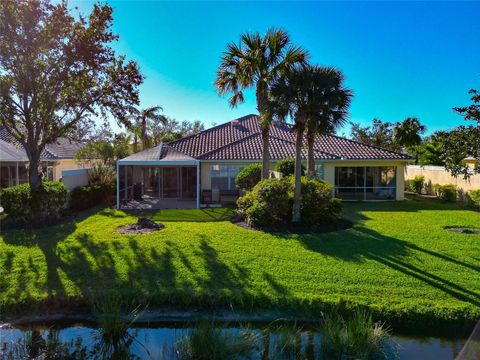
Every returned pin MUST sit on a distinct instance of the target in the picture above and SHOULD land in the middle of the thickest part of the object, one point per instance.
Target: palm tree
(257, 62)
(330, 108)
(141, 118)
(408, 132)
(294, 96)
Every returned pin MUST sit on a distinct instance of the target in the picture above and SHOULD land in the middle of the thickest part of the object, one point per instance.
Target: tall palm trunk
(297, 193)
(265, 120)
(310, 155)
(266, 152)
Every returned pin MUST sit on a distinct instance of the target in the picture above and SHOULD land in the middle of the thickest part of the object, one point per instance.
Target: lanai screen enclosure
(160, 177)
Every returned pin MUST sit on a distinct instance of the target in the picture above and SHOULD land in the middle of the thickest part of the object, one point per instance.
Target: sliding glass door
(365, 182)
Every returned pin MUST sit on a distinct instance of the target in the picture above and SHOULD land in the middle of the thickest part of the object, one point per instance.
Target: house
(55, 158)
(201, 169)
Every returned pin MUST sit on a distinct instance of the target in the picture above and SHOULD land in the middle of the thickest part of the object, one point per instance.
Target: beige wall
(329, 171)
(438, 175)
(64, 164)
(206, 169)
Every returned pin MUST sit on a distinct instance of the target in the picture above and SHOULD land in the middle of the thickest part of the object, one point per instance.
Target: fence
(74, 178)
(438, 175)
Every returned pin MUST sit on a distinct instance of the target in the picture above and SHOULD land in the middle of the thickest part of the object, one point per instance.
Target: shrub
(15, 200)
(448, 193)
(317, 206)
(473, 197)
(84, 197)
(436, 189)
(416, 184)
(45, 204)
(270, 202)
(249, 176)
(286, 167)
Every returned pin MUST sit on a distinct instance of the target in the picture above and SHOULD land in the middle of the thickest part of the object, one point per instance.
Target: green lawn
(396, 258)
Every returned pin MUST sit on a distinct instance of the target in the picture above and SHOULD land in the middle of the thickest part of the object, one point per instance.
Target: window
(320, 171)
(223, 176)
(50, 173)
(365, 183)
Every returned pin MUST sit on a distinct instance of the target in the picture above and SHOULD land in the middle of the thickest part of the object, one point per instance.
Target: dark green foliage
(448, 193)
(409, 132)
(286, 167)
(378, 134)
(270, 202)
(49, 201)
(318, 205)
(68, 75)
(249, 176)
(460, 143)
(84, 197)
(473, 197)
(417, 183)
(471, 112)
(15, 199)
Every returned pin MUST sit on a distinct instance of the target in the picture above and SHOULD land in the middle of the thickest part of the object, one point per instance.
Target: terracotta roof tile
(240, 139)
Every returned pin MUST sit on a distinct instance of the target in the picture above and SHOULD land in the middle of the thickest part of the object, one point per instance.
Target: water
(79, 341)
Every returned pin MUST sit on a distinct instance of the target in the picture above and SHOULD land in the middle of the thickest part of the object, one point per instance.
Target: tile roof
(9, 152)
(240, 139)
(60, 149)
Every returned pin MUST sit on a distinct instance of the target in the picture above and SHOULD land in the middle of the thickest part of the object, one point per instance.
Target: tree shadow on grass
(410, 204)
(360, 243)
(77, 266)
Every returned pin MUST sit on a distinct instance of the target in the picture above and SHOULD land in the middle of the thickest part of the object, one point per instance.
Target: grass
(397, 260)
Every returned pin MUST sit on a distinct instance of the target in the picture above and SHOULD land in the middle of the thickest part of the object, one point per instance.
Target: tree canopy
(58, 72)
(257, 62)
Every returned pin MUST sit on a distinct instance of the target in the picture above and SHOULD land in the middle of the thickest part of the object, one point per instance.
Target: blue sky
(400, 58)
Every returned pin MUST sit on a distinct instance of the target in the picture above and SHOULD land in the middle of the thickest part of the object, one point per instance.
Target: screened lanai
(13, 165)
(158, 178)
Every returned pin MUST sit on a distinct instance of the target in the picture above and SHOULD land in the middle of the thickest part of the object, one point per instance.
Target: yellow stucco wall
(329, 172)
(64, 164)
(438, 175)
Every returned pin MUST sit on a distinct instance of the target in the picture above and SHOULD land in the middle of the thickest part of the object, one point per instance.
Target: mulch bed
(462, 230)
(143, 226)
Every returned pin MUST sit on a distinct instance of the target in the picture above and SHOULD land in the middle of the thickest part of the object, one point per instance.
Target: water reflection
(199, 342)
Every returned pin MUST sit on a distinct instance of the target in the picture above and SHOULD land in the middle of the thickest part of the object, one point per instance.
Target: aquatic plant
(115, 336)
(36, 344)
(208, 342)
(356, 337)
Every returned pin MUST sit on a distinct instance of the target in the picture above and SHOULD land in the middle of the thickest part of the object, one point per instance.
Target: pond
(176, 341)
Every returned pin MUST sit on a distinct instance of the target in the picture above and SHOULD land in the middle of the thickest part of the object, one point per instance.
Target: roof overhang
(158, 162)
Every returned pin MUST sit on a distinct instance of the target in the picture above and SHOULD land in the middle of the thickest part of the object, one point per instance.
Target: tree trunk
(144, 133)
(310, 155)
(34, 178)
(266, 152)
(265, 120)
(135, 142)
(297, 194)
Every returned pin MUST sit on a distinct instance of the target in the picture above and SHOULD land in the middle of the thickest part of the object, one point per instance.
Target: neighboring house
(55, 158)
(201, 169)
